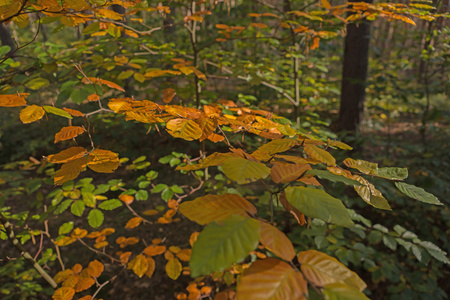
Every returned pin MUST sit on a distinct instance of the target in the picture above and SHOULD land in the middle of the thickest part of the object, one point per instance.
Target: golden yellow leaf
(79, 233)
(174, 249)
(185, 129)
(71, 281)
(139, 265)
(107, 13)
(69, 132)
(95, 268)
(31, 113)
(173, 268)
(133, 222)
(101, 244)
(103, 161)
(325, 4)
(151, 267)
(64, 293)
(67, 240)
(70, 170)
(67, 155)
(319, 154)
(13, 100)
(193, 238)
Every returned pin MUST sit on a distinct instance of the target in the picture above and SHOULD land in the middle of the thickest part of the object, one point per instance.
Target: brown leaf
(13, 100)
(69, 132)
(292, 210)
(168, 95)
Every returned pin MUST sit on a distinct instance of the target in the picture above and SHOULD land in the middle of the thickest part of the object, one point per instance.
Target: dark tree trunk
(354, 75)
(7, 40)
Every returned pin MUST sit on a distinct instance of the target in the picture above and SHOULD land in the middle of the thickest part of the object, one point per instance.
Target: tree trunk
(354, 75)
(5, 37)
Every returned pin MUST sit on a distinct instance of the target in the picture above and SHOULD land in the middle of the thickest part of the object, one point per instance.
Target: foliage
(240, 252)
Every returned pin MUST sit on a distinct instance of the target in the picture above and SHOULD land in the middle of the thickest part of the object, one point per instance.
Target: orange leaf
(168, 255)
(84, 283)
(70, 170)
(77, 268)
(67, 155)
(66, 133)
(271, 278)
(101, 244)
(133, 222)
(184, 255)
(193, 238)
(276, 241)
(95, 268)
(88, 297)
(31, 113)
(151, 267)
(139, 265)
(63, 275)
(258, 25)
(74, 112)
(65, 241)
(71, 281)
(154, 250)
(315, 44)
(124, 257)
(103, 161)
(173, 268)
(168, 95)
(13, 100)
(64, 293)
(102, 81)
(93, 97)
(127, 199)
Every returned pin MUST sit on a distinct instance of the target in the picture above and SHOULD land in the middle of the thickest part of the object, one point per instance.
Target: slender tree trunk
(7, 40)
(354, 75)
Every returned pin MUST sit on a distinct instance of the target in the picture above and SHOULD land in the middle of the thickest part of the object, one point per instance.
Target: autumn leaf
(64, 293)
(100, 81)
(67, 155)
(139, 265)
(73, 112)
(173, 268)
(93, 97)
(276, 241)
(70, 170)
(69, 132)
(168, 95)
(133, 222)
(95, 268)
(13, 100)
(127, 199)
(319, 154)
(103, 161)
(185, 129)
(84, 283)
(151, 267)
(154, 250)
(31, 113)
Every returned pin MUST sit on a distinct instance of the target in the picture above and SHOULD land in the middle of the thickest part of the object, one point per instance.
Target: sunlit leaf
(276, 241)
(31, 113)
(273, 147)
(321, 269)
(103, 161)
(221, 244)
(318, 204)
(243, 170)
(57, 111)
(69, 132)
(417, 193)
(339, 144)
(271, 279)
(93, 80)
(206, 209)
(67, 155)
(184, 128)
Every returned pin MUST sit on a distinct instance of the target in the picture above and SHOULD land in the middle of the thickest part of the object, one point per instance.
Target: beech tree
(240, 251)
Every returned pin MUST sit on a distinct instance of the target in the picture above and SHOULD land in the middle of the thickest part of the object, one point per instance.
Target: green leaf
(141, 195)
(110, 204)
(37, 83)
(243, 170)
(392, 173)
(417, 193)
(340, 291)
(62, 207)
(89, 199)
(166, 195)
(390, 242)
(4, 50)
(95, 218)
(177, 189)
(318, 204)
(159, 188)
(77, 208)
(65, 228)
(57, 111)
(223, 243)
(332, 177)
(435, 251)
